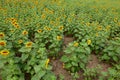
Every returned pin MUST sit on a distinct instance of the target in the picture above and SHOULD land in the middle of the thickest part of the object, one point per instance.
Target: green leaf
(67, 51)
(74, 63)
(64, 58)
(38, 75)
(82, 65)
(115, 58)
(68, 65)
(117, 50)
(24, 56)
(105, 57)
(49, 76)
(37, 68)
(24, 49)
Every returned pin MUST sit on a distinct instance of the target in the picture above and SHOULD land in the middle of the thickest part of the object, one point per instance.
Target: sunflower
(4, 52)
(49, 29)
(59, 38)
(13, 19)
(99, 28)
(43, 16)
(61, 28)
(76, 44)
(89, 42)
(39, 31)
(47, 62)
(28, 44)
(2, 43)
(20, 41)
(2, 35)
(24, 32)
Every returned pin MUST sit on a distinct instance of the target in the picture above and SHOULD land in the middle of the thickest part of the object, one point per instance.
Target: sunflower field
(35, 40)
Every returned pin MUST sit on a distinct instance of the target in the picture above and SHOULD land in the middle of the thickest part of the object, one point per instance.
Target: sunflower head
(13, 19)
(16, 25)
(39, 31)
(89, 42)
(99, 28)
(43, 16)
(61, 28)
(59, 38)
(28, 44)
(4, 52)
(20, 41)
(76, 44)
(2, 43)
(2, 34)
(24, 32)
(47, 62)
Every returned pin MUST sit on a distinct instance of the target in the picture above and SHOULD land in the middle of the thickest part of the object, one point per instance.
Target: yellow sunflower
(39, 31)
(20, 41)
(2, 35)
(89, 42)
(4, 52)
(76, 44)
(28, 44)
(24, 32)
(61, 28)
(2, 43)
(47, 62)
(59, 38)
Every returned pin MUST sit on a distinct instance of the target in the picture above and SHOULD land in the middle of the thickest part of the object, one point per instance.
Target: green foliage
(32, 31)
(76, 56)
(112, 51)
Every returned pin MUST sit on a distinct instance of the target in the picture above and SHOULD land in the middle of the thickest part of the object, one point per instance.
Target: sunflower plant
(76, 56)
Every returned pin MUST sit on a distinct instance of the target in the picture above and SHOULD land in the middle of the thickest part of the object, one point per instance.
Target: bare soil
(95, 62)
(58, 70)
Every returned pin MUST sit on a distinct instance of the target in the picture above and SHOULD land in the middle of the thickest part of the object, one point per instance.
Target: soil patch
(95, 62)
(58, 70)
(67, 40)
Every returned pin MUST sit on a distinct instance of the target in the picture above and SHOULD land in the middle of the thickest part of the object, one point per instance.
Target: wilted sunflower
(2, 43)
(4, 52)
(28, 44)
